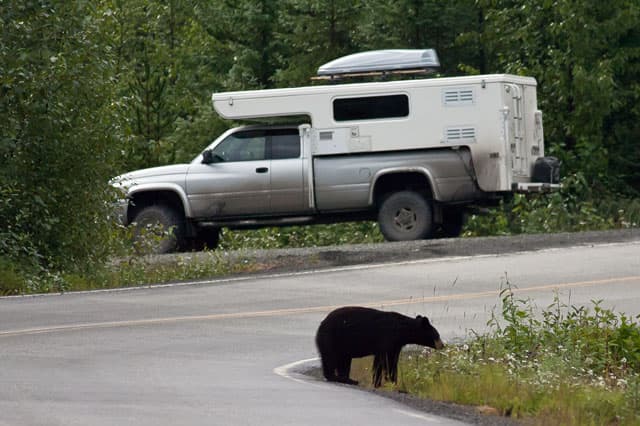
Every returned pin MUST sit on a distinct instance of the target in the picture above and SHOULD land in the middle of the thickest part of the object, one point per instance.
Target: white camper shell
(495, 116)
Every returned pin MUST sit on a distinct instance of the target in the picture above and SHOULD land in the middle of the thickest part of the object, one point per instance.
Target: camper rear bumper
(535, 187)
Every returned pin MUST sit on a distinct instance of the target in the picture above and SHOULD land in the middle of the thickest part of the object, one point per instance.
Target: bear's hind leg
(378, 363)
(392, 367)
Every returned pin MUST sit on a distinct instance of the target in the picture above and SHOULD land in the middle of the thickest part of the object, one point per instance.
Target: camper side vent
(460, 134)
(326, 136)
(458, 96)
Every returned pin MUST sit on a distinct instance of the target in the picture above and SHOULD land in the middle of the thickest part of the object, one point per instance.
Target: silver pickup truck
(411, 154)
(258, 176)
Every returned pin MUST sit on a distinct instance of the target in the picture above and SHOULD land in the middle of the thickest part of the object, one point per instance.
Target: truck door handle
(262, 170)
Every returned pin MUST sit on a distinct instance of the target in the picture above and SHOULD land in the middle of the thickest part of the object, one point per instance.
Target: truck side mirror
(209, 157)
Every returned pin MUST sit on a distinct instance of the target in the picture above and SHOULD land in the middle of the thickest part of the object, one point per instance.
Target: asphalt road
(227, 352)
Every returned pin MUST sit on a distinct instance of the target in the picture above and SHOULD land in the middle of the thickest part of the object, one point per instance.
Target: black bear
(354, 332)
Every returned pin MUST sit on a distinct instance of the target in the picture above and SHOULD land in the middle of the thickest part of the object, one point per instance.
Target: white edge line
(316, 271)
(287, 372)
(416, 415)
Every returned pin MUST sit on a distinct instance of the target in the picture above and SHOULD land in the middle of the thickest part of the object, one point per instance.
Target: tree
(585, 58)
(421, 24)
(59, 136)
(312, 32)
(168, 64)
(245, 31)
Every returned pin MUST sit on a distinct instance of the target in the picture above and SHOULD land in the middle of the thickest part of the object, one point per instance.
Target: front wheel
(404, 216)
(157, 229)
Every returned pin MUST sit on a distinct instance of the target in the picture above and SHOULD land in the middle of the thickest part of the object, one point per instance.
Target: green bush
(12, 281)
(59, 141)
(578, 206)
(561, 365)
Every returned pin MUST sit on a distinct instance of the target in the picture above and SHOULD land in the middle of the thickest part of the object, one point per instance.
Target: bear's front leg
(344, 369)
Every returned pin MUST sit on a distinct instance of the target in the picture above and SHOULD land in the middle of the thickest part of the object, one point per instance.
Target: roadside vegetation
(559, 365)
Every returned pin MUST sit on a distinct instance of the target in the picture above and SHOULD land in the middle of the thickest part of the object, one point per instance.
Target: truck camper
(411, 153)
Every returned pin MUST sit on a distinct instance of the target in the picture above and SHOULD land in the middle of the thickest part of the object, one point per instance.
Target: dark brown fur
(354, 332)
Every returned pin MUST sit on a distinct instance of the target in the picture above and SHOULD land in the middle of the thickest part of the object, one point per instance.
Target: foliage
(164, 76)
(564, 364)
(578, 206)
(89, 90)
(416, 24)
(311, 33)
(58, 133)
(298, 236)
(585, 58)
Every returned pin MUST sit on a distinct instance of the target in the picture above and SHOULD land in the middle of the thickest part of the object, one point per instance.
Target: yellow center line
(312, 309)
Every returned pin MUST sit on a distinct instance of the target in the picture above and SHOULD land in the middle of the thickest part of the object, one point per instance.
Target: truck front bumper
(120, 208)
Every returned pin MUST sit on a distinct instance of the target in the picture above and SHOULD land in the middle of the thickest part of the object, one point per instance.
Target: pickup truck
(411, 154)
(255, 176)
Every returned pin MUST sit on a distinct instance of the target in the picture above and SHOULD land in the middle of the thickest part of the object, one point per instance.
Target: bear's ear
(424, 321)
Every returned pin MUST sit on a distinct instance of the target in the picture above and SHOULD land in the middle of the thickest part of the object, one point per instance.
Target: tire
(157, 229)
(207, 238)
(452, 223)
(405, 216)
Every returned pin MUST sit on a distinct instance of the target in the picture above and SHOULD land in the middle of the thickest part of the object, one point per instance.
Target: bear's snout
(438, 344)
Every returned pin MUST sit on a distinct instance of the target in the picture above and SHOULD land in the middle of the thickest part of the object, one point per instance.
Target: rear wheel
(207, 238)
(404, 216)
(157, 229)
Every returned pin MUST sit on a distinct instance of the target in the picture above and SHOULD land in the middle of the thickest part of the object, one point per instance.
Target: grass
(563, 365)
(131, 271)
(302, 236)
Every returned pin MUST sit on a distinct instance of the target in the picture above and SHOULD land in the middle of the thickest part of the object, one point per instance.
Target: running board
(258, 223)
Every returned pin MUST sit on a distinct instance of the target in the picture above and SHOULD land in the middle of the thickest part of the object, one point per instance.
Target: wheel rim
(154, 235)
(405, 219)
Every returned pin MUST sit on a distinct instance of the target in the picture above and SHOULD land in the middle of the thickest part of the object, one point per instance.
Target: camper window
(370, 107)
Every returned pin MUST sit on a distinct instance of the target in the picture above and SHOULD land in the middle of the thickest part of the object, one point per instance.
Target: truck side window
(285, 143)
(243, 146)
(370, 107)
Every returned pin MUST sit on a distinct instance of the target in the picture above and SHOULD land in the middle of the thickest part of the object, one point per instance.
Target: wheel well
(143, 199)
(404, 181)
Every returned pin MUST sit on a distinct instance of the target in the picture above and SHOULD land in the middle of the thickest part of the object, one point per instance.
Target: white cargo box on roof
(495, 116)
(381, 61)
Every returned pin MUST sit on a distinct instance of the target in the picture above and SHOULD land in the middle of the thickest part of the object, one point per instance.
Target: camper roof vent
(381, 62)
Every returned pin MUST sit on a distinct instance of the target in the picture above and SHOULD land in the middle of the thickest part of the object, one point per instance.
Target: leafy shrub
(59, 136)
(578, 206)
(12, 281)
(562, 365)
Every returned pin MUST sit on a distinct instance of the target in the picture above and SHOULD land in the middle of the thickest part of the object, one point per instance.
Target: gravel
(304, 259)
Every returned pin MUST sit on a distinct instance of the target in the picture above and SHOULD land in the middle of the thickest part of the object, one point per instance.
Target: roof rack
(380, 62)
